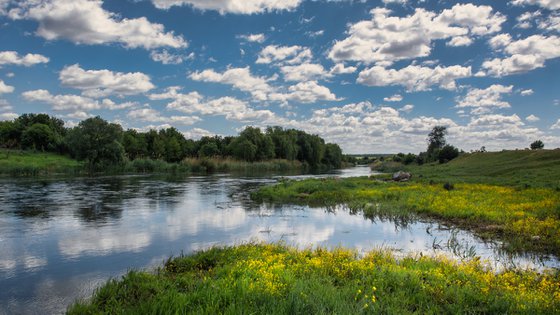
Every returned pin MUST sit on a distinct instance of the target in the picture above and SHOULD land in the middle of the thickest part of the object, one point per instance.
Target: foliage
(97, 142)
(537, 145)
(436, 141)
(275, 279)
(528, 219)
(25, 163)
(447, 153)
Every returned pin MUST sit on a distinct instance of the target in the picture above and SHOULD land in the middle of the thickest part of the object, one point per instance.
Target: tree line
(101, 143)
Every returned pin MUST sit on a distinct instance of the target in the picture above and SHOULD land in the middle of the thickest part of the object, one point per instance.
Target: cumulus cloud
(231, 6)
(394, 98)
(284, 54)
(556, 125)
(101, 83)
(4, 88)
(194, 103)
(86, 22)
(486, 98)
(305, 92)
(304, 72)
(13, 58)
(532, 118)
(524, 55)
(340, 68)
(74, 103)
(387, 38)
(239, 78)
(415, 78)
(407, 108)
(152, 115)
(526, 92)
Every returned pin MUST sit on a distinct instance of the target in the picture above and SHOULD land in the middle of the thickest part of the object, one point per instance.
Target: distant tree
(537, 145)
(209, 150)
(243, 149)
(436, 141)
(96, 141)
(447, 153)
(9, 135)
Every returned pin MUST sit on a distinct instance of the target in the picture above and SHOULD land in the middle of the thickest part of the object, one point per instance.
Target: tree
(96, 141)
(537, 145)
(436, 141)
(333, 155)
(243, 149)
(447, 153)
(38, 137)
(209, 150)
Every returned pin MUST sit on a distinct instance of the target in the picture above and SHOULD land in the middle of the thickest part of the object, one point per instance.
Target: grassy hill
(523, 168)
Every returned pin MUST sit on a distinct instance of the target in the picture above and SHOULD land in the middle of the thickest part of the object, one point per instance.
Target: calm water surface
(60, 239)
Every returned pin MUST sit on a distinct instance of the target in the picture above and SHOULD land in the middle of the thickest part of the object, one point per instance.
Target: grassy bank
(32, 163)
(27, 163)
(521, 168)
(528, 219)
(274, 279)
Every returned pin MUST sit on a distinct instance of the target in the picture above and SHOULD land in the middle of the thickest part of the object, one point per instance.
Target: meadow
(276, 279)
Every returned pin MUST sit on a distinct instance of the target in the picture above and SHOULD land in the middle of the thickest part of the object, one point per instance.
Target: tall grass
(275, 279)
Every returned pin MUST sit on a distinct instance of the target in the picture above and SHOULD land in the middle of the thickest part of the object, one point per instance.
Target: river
(62, 238)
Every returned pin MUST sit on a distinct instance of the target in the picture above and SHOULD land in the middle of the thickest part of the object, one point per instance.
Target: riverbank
(276, 279)
(527, 219)
(31, 163)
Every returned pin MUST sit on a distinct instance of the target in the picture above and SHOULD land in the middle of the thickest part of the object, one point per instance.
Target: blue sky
(372, 76)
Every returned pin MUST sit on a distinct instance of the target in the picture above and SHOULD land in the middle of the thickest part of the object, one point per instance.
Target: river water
(62, 238)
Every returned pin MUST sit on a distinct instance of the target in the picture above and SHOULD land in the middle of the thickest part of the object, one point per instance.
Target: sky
(372, 76)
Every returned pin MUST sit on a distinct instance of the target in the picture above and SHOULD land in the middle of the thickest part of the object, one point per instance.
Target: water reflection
(59, 239)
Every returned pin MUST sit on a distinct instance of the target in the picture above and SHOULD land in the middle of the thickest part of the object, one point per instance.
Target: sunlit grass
(275, 279)
(28, 163)
(529, 219)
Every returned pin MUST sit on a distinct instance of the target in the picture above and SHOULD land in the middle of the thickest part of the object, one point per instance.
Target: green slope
(523, 168)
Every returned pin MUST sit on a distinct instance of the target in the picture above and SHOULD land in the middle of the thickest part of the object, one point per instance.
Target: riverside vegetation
(276, 279)
(99, 146)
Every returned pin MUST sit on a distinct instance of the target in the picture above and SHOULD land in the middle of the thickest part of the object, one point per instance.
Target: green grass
(275, 279)
(522, 168)
(527, 219)
(29, 163)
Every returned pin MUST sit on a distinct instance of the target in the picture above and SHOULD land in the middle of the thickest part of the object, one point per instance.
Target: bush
(447, 153)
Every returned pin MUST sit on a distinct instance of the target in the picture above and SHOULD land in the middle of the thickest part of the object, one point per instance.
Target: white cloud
(387, 38)
(394, 98)
(166, 57)
(197, 133)
(232, 6)
(415, 78)
(73, 103)
(407, 108)
(532, 118)
(101, 83)
(495, 121)
(524, 55)
(254, 38)
(240, 78)
(152, 115)
(340, 68)
(551, 23)
(556, 125)
(86, 22)
(304, 72)
(486, 98)
(284, 54)
(526, 92)
(547, 4)
(459, 41)
(4, 88)
(13, 58)
(8, 116)
(305, 92)
(194, 103)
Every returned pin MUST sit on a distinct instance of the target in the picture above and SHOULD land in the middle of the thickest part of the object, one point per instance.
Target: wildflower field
(276, 279)
(528, 219)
